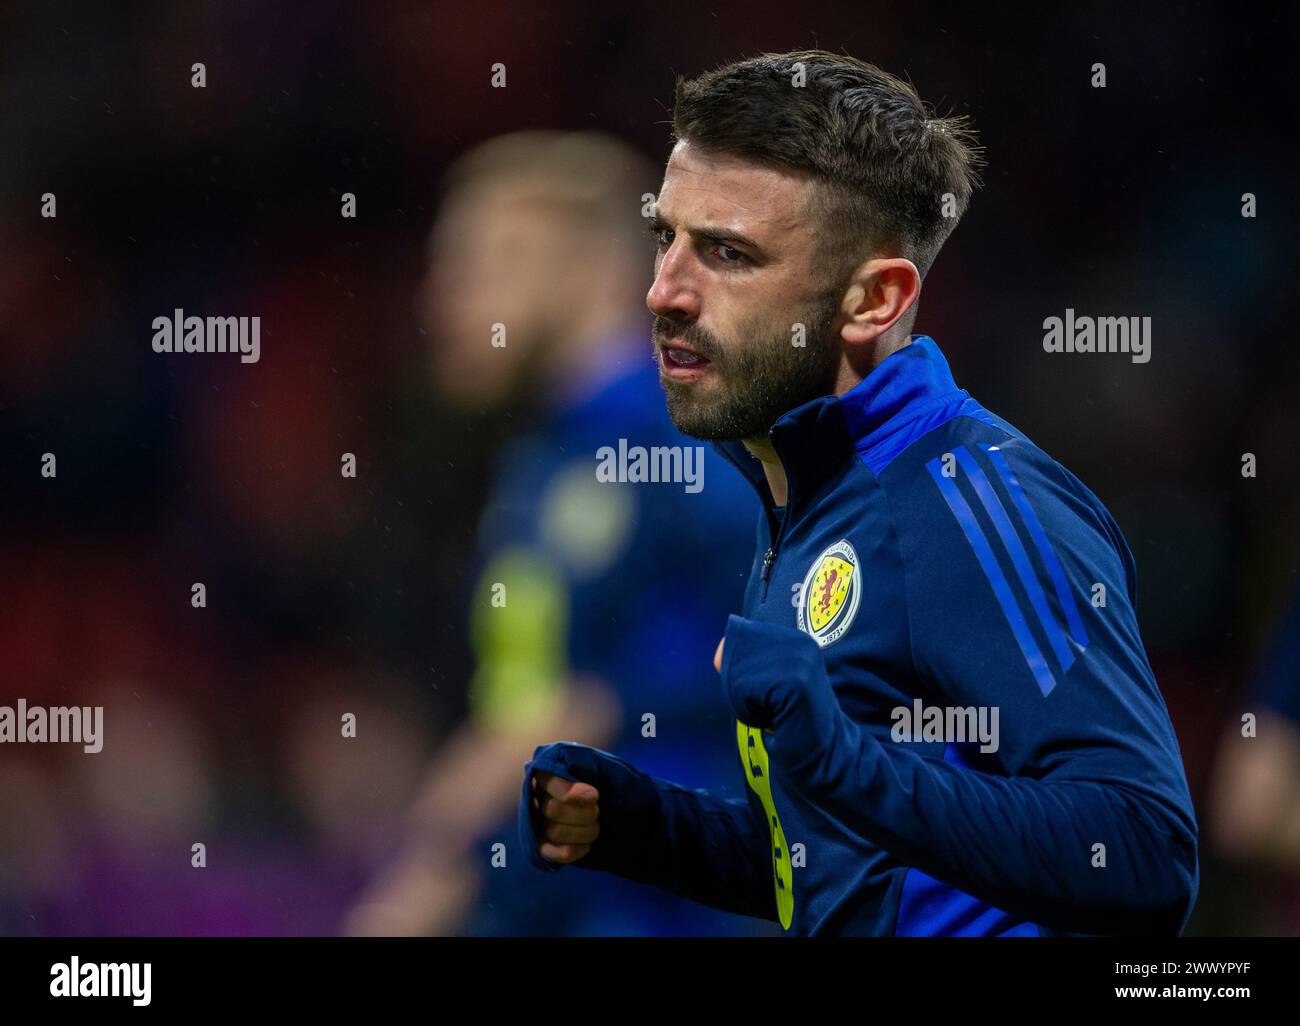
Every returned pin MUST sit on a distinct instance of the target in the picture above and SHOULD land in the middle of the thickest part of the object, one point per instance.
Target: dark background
(1122, 201)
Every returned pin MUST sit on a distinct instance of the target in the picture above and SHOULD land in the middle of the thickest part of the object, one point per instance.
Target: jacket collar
(818, 438)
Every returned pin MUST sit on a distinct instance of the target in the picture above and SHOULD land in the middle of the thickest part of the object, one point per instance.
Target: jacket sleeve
(687, 842)
(1081, 820)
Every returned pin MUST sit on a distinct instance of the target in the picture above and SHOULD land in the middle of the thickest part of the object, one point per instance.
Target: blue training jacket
(933, 572)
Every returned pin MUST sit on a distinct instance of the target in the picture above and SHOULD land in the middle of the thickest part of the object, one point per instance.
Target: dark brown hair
(881, 163)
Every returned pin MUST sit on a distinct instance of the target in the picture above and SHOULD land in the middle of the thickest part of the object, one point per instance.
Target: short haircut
(592, 178)
(889, 178)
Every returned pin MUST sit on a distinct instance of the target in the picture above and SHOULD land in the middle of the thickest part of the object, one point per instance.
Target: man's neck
(765, 452)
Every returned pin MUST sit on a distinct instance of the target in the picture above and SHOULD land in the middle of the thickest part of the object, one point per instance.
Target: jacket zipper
(769, 557)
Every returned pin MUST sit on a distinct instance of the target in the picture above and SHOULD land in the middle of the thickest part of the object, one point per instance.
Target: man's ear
(880, 292)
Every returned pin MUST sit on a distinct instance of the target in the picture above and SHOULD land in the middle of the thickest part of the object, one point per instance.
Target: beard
(755, 381)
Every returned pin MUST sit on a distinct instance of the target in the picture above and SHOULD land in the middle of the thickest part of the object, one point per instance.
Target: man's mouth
(680, 361)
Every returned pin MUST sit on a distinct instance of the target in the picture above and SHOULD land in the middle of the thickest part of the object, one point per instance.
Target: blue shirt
(933, 569)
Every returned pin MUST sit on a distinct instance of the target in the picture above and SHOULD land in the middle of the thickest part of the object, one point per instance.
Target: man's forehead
(711, 186)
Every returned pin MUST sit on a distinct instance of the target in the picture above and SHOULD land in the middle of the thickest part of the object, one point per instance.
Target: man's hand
(776, 680)
(568, 814)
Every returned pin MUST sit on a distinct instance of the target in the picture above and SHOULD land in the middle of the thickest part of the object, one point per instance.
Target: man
(586, 589)
(923, 570)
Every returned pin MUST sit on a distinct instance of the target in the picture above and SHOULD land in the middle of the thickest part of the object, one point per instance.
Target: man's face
(491, 262)
(733, 280)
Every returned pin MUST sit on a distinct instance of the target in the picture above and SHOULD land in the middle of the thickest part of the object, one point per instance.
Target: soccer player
(944, 713)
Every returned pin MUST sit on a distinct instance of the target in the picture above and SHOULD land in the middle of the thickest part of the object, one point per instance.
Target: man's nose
(675, 292)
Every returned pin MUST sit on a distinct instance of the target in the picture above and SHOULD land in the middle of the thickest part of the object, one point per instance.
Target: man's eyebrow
(710, 232)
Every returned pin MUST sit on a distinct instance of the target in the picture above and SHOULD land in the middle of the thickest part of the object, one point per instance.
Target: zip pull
(768, 557)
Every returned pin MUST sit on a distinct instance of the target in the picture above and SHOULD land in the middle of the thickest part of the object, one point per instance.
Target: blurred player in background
(598, 603)
(1255, 792)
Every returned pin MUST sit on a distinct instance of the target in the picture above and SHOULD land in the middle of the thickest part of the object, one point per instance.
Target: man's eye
(663, 238)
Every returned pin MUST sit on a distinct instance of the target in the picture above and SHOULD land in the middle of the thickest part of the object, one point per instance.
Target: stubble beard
(760, 380)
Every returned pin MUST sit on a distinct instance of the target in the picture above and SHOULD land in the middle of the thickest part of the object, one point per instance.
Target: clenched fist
(567, 816)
